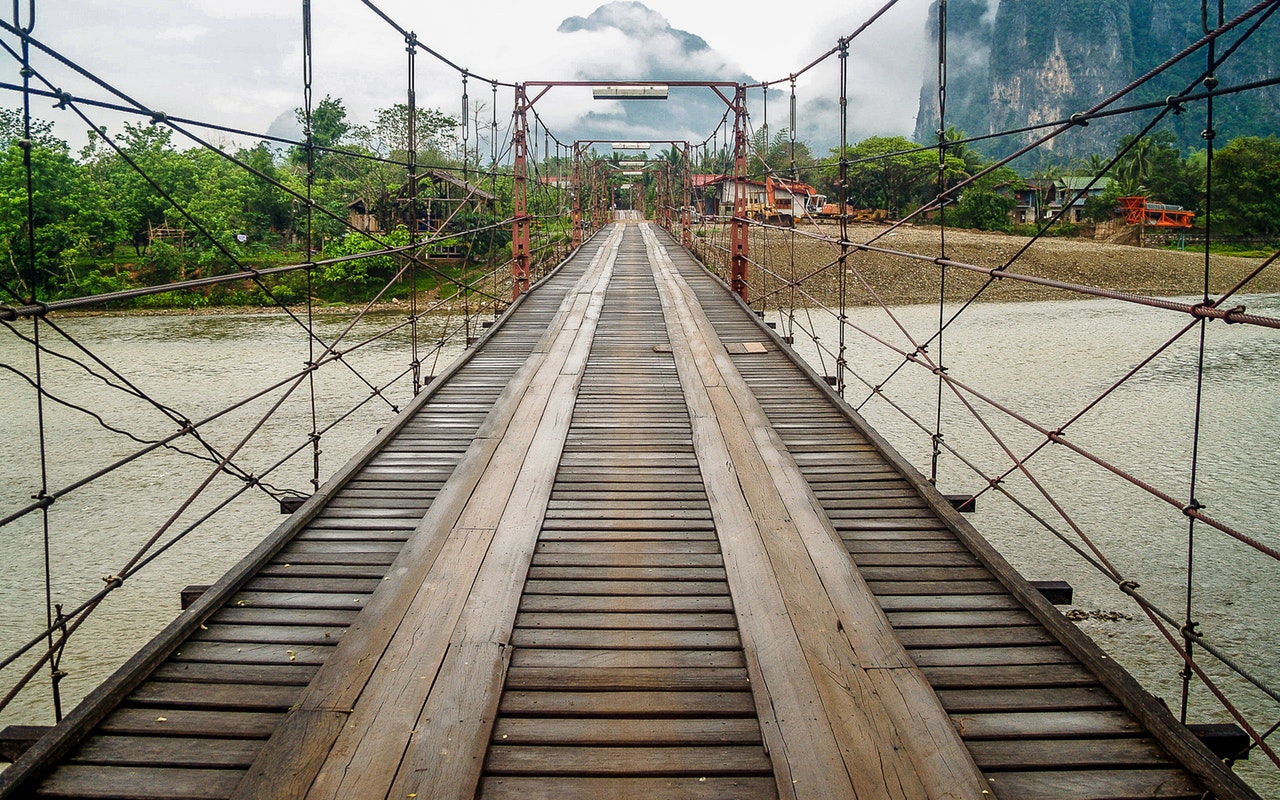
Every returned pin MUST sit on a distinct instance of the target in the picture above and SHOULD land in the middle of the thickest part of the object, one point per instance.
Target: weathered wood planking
(276, 617)
(627, 677)
(847, 714)
(923, 575)
(439, 622)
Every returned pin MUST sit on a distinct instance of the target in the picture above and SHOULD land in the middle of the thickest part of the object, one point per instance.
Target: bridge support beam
(686, 203)
(577, 195)
(739, 233)
(520, 225)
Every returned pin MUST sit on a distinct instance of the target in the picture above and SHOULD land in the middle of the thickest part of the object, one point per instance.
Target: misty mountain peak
(634, 20)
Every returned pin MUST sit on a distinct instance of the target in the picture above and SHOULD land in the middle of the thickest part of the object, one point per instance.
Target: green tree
(138, 203)
(890, 173)
(1246, 187)
(1155, 167)
(329, 128)
(55, 232)
(986, 204)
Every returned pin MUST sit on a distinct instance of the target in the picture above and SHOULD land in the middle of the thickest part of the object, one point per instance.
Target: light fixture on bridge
(632, 92)
(631, 145)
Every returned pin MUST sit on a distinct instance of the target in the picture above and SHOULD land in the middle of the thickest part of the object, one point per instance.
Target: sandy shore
(899, 280)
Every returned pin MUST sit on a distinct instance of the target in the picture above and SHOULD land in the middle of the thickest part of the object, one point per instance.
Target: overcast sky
(239, 62)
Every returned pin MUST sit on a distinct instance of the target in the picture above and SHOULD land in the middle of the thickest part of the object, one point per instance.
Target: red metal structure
(739, 238)
(1139, 210)
(520, 224)
(686, 205)
(520, 246)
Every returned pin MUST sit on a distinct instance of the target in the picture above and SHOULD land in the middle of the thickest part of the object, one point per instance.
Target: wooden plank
(931, 596)
(269, 634)
(632, 560)
(667, 704)
(1046, 724)
(598, 573)
(1164, 784)
(624, 659)
(917, 638)
(140, 783)
(232, 697)
(625, 603)
(992, 676)
(1050, 754)
(501, 787)
(631, 620)
(589, 761)
(581, 587)
(157, 751)
(626, 731)
(992, 656)
(958, 701)
(604, 679)
(181, 722)
(291, 674)
(245, 653)
(627, 639)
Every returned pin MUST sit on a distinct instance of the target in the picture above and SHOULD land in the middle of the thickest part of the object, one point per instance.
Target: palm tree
(1132, 170)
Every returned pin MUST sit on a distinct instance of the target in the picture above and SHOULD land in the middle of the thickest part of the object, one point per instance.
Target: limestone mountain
(1016, 63)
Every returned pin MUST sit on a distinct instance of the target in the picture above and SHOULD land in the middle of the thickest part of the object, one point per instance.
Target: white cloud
(238, 62)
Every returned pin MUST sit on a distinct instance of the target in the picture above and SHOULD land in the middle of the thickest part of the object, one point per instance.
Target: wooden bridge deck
(630, 548)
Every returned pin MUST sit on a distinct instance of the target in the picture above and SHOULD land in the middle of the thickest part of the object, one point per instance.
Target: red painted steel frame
(520, 225)
(739, 250)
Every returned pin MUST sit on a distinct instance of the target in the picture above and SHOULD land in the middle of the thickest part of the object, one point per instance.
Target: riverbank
(897, 280)
(901, 281)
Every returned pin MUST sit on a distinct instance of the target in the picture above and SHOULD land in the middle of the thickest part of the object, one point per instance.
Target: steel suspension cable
(34, 281)
(308, 66)
(942, 233)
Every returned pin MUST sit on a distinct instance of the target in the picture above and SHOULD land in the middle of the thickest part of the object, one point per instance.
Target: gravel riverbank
(898, 280)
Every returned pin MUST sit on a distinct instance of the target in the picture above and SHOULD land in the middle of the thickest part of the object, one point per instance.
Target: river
(1045, 359)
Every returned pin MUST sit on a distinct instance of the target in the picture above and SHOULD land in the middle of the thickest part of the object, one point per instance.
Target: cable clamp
(1211, 82)
(1056, 436)
(1190, 508)
(1080, 119)
(1188, 631)
(64, 98)
(1129, 587)
(158, 116)
(994, 483)
(1208, 134)
(1174, 102)
(1232, 312)
(44, 499)
(251, 480)
(113, 581)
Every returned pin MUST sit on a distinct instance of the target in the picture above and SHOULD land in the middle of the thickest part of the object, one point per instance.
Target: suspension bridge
(630, 543)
